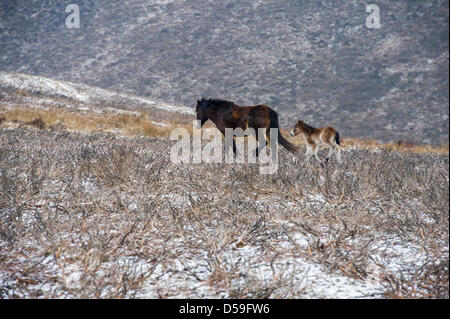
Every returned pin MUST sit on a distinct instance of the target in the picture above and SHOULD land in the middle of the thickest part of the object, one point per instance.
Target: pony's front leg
(229, 144)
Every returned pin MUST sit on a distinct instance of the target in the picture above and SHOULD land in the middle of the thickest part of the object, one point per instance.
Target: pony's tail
(336, 138)
(281, 140)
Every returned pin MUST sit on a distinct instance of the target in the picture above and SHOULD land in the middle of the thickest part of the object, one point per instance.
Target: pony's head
(202, 110)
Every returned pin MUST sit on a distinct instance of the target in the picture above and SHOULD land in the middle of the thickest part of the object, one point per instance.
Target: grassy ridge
(141, 124)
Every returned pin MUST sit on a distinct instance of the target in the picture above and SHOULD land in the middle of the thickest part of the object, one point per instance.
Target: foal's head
(299, 128)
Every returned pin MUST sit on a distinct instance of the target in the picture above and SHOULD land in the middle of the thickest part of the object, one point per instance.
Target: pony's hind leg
(260, 144)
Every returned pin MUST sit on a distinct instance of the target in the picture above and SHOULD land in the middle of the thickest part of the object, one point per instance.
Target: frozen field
(102, 215)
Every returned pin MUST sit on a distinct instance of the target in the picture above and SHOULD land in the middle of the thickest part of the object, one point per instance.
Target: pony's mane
(306, 127)
(217, 102)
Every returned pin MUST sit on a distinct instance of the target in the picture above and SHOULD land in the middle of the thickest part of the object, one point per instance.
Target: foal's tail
(281, 140)
(336, 138)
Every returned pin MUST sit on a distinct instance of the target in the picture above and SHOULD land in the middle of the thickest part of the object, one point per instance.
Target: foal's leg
(338, 155)
(308, 152)
(329, 154)
(315, 150)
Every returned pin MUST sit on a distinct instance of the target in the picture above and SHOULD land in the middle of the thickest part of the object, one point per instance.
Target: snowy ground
(110, 216)
(106, 216)
(84, 94)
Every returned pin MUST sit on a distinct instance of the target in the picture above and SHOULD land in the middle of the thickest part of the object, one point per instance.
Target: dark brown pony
(226, 114)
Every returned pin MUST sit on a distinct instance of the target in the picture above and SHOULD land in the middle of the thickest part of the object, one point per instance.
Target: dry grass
(395, 147)
(22, 93)
(139, 124)
(103, 216)
(88, 122)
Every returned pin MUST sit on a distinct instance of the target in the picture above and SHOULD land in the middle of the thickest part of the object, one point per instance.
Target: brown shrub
(21, 92)
(58, 127)
(38, 123)
(405, 144)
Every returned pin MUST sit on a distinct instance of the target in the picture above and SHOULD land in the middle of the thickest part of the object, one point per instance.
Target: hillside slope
(314, 60)
(43, 88)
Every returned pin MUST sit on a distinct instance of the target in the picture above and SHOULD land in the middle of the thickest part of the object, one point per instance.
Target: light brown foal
(314, 137)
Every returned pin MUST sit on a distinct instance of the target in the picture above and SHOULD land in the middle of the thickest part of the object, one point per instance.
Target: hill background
(314, 60)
